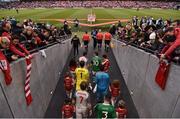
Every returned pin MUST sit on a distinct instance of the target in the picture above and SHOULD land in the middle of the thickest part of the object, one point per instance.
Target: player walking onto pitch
(106, 63)
(86, 39)
(107, 40)
(105, 110)
(99, 37)
(102, 81)
(68, 109)
(72, 67)
(82, 101)
(115, 90)
(68, 85)
(121, 110)
(84, 58)
(82, 74)
(96, 62)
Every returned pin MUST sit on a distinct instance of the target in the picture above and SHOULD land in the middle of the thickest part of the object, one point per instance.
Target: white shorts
(81, 112)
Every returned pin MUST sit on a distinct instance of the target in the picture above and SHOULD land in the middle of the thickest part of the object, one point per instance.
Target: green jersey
(104, 111)
(96, 62)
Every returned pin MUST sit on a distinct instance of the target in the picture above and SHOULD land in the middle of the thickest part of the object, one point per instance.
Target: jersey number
(81, 99)
(104, 115)
(81, 75)
(96, 63)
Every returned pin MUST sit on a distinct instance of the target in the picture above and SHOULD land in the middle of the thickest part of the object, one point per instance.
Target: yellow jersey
(82, 74)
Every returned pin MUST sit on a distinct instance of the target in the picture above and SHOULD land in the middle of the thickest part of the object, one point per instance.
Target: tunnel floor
(57, 100)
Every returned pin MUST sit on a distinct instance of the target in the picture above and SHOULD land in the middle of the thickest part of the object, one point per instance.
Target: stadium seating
(88, 4)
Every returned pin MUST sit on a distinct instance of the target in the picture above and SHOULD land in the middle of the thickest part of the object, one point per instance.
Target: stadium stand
(89, 4)
(32, 36)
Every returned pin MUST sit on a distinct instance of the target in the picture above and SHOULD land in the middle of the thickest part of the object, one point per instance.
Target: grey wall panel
(5, 110)
(139, 70)
(44, 77)
(138, 62)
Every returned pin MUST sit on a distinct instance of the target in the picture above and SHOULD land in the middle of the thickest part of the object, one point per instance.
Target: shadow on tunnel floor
(57, 100)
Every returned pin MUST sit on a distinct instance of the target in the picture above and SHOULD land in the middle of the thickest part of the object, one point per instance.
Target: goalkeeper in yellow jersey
(82, 74)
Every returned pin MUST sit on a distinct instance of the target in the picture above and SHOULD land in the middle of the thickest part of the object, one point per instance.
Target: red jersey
(73, 68)
(68, 83)
(122, 112)
(68, 111)
(86, 37)
(99, 36)
(115, 91)
(107, 36)
(106, 64)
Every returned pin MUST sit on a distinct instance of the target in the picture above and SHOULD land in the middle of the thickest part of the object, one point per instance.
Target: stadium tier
(87, 4)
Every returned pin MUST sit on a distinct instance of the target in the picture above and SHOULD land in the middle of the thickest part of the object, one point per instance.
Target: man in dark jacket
(76, 43)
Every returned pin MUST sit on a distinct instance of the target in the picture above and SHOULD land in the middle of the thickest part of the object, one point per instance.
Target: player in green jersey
(96, 62)
(105, 110)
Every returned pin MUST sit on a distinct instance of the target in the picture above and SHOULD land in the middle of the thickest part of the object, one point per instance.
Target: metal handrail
(142, 48)
(59, 40)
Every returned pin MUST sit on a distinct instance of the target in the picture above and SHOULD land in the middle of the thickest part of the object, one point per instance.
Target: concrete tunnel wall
(139, 69)
(45, 74)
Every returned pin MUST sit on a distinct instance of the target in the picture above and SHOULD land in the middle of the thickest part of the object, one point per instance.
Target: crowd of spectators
(89, 4)
(17, 39)
(160, 37)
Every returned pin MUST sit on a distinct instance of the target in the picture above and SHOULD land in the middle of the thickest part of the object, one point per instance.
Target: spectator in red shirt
(18, 49)
(167, 52)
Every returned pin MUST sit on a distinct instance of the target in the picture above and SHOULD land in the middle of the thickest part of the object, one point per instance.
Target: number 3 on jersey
(104, 115)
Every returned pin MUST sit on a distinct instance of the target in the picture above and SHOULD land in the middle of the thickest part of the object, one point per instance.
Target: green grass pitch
(37, 14)
(81, 13)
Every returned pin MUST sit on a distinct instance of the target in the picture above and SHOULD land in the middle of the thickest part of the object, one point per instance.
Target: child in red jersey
(106, 63)
(68, 85)
(121, 110)
(115, 90)
(72, 66)
(68, 109)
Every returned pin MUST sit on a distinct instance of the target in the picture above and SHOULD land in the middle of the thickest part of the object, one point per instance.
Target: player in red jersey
(86, 39)
(106, 63)
(121, 110)
(72, 66)
(68, 85)
(99, 38)
(115, 90)
(68, 109)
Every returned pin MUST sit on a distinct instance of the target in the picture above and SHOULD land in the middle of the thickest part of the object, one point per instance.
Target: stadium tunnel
(142, 95)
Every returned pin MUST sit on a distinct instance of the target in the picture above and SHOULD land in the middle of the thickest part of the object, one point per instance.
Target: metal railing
(58, 40)
(139, 47)
(153, 52)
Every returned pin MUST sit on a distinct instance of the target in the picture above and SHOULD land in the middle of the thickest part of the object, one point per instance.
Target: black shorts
(107, 42)
(99, 41)
(86, 42)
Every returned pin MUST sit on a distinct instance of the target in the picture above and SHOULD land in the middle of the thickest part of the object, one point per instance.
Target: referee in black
(75, 41)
